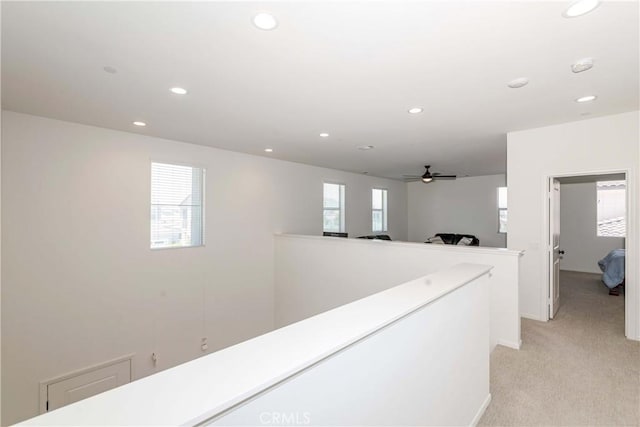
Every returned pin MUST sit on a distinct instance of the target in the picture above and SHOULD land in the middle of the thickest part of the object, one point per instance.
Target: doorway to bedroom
(588, 230)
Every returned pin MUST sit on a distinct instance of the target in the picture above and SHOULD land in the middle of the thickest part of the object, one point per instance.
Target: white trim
(342, 202)
(42, 405)
(167, 161)
(502, 209)
(632, 290)
(424, 246)
(481, 410)
(532, 317)
(510, 344)
(580, 271)
(384, 209)
(203, 177)
(632, 274)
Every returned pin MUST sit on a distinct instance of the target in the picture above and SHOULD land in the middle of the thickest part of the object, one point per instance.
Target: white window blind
(502, 209)
(612, 196)
(378, 210)
(333, 208)
(177, 206)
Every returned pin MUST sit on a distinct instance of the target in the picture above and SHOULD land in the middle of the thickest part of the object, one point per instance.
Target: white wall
(578, 229)
(382, 360)
(314, 275)
(0, 228)
(80, 284)
(463, 206)
(428, 369)
(603, 144)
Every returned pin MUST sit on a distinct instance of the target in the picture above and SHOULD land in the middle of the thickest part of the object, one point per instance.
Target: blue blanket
(612, 267)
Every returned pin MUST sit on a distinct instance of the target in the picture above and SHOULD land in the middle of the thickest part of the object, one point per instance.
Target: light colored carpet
(577, 369)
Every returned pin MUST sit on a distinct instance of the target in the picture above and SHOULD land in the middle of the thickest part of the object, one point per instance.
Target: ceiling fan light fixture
(427, 177)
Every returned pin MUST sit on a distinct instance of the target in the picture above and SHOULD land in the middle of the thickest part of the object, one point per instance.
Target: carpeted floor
(577, 369)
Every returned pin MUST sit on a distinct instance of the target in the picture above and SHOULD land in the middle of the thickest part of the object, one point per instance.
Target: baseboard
(532, 317)
(632, 338)
(480, 412)
(581, 271)
(511, 344)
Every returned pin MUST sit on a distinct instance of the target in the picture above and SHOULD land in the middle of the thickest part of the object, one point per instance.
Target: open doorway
(587, 243)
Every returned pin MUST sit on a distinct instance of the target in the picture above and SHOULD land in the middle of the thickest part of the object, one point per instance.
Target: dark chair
(334, 234)
(453, 239)
(376, 236)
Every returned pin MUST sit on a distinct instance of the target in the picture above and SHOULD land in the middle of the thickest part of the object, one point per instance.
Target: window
(502, 209)
(177, 195)
(611, 197)
(378, 210)
(333, 208)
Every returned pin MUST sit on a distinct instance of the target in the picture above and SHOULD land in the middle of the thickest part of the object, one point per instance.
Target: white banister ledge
(202, 389)
(412, 245)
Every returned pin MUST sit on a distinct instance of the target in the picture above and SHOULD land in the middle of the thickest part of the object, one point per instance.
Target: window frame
(342, 202)
(505, 209)
(622, 182)
(384, 210)
(203, 171)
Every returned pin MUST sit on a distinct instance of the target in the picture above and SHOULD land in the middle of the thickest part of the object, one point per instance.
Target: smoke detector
(582, 65)
(518, 83)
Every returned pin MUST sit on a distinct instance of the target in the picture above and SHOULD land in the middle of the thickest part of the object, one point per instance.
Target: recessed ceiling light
(110, 70)
(583, 64)
(179, 90)
(518, 83)
(139, 123)
(415, 110)
(365, 147)
(265, 21)
(324, 135)
(580, 7)
(268, 150)
(586, 98)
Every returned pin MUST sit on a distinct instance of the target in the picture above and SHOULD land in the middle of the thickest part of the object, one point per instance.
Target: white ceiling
(351, 69)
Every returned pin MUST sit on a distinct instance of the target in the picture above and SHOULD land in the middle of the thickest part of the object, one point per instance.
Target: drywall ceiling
(351, 69)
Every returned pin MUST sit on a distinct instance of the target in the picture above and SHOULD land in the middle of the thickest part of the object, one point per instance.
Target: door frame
(631, 302)
(552, 305)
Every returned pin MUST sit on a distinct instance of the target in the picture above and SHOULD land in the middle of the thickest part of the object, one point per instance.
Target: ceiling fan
(428, 177)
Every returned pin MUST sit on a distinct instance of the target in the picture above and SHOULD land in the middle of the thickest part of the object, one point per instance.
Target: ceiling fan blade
(427, 177)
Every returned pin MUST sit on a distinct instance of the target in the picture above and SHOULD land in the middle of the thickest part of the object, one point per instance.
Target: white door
(554, 247)
(87, 384)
